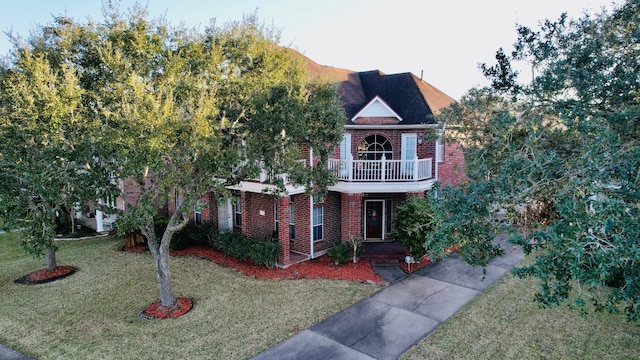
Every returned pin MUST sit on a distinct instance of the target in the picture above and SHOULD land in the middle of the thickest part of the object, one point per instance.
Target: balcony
(265, 177)
(381, 170)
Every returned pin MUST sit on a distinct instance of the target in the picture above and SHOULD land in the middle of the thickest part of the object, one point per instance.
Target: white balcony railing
(381, 170)
(265, 177)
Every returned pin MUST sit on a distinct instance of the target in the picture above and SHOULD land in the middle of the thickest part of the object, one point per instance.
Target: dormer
(376, 112)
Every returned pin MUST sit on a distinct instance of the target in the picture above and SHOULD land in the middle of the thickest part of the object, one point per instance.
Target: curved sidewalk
(391, 321)
(7, 353)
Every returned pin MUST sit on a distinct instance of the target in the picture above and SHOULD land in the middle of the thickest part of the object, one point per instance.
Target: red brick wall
(302, 223)
(451, 171)
(254, 223)
(351, 212)
(331, 222)
(283, 230)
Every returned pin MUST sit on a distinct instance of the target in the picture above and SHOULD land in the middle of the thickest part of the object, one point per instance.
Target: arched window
(373, 147)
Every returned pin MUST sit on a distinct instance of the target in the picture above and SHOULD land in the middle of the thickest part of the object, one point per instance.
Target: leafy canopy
(47, 155)
(558, 158)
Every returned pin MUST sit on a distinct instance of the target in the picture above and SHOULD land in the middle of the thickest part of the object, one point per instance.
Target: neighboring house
(383, 158)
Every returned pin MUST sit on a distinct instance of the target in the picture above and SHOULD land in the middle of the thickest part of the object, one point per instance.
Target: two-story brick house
(382, 159)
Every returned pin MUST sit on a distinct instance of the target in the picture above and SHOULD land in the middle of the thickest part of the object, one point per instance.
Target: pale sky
(445, 39)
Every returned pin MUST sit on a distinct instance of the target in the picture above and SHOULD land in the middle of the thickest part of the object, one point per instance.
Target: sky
(444, 41)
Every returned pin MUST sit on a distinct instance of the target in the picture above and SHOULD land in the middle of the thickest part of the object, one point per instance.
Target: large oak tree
(175, 113)
(186, 113)
(47, 154)
(560, 155)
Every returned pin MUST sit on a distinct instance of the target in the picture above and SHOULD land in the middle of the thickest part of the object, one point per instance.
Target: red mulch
(44, 276)
(319, 268)
(157, 311)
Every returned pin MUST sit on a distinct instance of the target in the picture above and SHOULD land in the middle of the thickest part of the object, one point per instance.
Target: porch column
(351, 216)
(283, 230)
(99, 221)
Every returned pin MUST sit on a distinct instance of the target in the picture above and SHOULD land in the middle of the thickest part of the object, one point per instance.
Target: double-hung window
(292, 222)
(237, 212)
(318, 215)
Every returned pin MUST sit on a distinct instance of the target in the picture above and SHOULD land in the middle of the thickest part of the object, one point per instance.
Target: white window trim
(292, 221)
(237, 203)
(321, 224)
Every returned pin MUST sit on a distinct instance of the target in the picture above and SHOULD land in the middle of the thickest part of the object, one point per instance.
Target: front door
(225, 222)
(374, 220)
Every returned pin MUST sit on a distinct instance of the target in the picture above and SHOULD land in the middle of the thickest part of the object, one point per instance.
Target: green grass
(505, 323)
(94, 314)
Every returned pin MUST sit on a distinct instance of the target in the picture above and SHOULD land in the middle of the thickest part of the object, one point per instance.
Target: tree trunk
(50, 255)
(160, 252)
(167, 297)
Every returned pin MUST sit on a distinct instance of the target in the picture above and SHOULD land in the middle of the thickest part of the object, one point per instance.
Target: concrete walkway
(7, 353)
(391, 321)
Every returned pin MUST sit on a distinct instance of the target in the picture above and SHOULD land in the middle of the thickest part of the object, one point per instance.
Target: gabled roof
(378, 108)
(414, 100)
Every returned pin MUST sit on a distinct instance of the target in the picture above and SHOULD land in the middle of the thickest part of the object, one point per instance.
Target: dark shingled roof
(410, 97)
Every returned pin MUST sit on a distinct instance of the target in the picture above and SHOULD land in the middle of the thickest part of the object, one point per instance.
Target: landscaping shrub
(413, 224)
(339, 254)
(160, 223)
(265, 252)
(262, 252)
(205, 234)
(181, 239)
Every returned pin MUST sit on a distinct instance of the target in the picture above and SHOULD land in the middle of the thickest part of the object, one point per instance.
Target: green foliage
(182, 239)
(339, 254)
(465, 222)
(413, 225)
(560, 156)
(233, 244)
(446, 218)
(265, 252)
(47, 156)
(262, 252)
(205, 234)
(172, 112)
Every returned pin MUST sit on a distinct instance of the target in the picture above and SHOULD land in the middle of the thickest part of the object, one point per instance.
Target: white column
(99, 219)
(78, 211)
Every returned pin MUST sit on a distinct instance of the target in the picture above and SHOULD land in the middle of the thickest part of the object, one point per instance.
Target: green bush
(413, 224)
(205, 234)
(182, 239)
(265, 252)
(160, 223)
(339, 254)
(262, 252)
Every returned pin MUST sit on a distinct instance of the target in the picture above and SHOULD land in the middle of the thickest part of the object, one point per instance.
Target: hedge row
(262, 252)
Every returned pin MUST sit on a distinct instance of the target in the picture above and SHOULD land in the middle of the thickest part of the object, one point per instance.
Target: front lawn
(94, 313)
(505, 323)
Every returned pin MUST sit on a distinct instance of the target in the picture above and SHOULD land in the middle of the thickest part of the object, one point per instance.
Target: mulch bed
(44, 276)
(319, 268)
(157, 311)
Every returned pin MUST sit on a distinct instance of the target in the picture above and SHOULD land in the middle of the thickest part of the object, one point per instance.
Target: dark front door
(374, 220)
